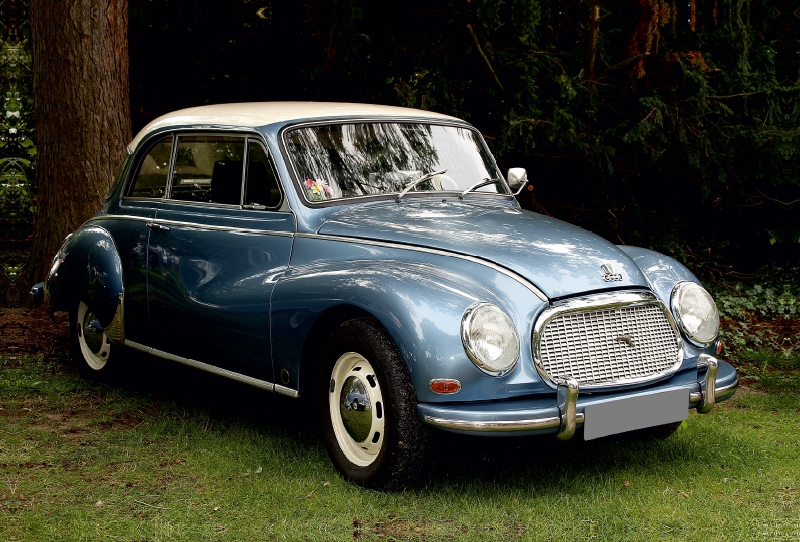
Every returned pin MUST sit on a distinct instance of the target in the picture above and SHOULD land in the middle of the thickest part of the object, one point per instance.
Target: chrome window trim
(249, 380)
(486, 263)
(295, 178)
(193, 225)
(601, 302)
(175, 133)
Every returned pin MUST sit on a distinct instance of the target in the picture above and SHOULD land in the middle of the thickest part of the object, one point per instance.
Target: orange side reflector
(445, 385)
(719, 347)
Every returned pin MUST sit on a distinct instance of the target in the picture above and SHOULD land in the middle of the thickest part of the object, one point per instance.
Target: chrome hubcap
(93, 342)
(356, 409)
(92, 332)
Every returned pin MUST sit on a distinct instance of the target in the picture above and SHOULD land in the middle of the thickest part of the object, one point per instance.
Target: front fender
(664, 273)
(419, 300)
(87, 268)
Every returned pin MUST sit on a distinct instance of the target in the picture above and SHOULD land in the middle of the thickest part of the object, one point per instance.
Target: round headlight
(696, 312)
(490, 339)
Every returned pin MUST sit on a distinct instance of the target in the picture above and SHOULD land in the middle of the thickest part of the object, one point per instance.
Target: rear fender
(88, 268)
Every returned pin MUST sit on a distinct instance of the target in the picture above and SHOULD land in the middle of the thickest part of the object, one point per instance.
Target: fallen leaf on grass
(99, 504)
(627, 483)
(684, 494)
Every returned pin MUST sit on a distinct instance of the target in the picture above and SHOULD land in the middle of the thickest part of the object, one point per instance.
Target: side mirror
(517, 179)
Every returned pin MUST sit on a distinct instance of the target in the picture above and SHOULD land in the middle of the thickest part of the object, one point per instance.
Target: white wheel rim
(352, 365)
(97, 358)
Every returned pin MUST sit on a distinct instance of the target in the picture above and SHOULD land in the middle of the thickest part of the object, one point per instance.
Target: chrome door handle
(157, 226)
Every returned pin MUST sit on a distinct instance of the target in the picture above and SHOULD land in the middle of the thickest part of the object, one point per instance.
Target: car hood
(560, 259)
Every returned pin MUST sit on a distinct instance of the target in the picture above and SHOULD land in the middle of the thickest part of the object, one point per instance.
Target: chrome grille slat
(582, 343)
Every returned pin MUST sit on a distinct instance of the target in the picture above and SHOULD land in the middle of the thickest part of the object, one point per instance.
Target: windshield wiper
(422, 179)
(485, 182)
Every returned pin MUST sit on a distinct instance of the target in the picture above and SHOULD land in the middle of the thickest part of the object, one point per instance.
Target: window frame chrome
(248, 134)
(295, 177)
(613, 300)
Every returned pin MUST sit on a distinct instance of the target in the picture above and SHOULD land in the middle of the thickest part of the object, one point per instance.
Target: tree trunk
(82, 109)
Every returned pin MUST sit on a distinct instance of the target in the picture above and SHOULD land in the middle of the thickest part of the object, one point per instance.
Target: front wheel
(369, 409)
(91, 348)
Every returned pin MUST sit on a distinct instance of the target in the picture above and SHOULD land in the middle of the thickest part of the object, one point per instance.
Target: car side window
(261, 184)
(151, 179)
(209, 168)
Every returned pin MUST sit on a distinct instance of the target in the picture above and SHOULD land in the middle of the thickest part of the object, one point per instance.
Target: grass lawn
(169, 453)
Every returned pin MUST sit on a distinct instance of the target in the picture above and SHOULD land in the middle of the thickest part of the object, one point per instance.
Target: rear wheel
(91, 348)
(369, 409)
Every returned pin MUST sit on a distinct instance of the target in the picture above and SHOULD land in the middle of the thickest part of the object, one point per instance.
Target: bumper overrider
(712, 382)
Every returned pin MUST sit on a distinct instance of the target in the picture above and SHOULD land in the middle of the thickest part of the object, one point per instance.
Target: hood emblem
(608, 273)
(627, 339)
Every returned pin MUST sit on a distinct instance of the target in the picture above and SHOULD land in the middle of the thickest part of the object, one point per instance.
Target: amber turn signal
(444, 385)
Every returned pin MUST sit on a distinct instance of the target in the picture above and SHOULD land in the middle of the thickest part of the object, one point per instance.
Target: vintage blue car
(375, 260)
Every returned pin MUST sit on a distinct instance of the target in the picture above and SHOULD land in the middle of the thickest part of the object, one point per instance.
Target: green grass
(167, 453)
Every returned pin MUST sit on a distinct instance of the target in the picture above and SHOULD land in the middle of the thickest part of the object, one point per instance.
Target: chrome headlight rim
(675, 304)
(466, 339)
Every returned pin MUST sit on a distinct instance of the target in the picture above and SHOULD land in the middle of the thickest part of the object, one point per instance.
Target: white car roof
(263, 113)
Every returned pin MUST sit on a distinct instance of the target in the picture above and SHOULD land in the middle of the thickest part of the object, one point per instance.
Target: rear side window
(151, 179)
(209, 168)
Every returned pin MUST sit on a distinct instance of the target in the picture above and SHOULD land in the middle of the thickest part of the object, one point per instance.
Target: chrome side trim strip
(553, 422)
(283, 390)
(193, 225)
(249, 380)
(388, 244)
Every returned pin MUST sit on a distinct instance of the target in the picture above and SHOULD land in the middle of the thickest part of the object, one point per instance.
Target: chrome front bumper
(566, 417)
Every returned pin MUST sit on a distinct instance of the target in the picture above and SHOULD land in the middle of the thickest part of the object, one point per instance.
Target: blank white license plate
(630, 413)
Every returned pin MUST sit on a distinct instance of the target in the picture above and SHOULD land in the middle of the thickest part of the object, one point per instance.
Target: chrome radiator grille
(624, 342)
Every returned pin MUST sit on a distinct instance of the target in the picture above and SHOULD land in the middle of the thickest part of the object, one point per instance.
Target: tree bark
(82, 109)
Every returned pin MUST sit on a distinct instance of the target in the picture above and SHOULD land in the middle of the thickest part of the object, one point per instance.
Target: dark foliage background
(664, 124)
(672, 125)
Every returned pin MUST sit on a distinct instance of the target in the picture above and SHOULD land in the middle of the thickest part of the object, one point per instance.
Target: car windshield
(362, 159)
